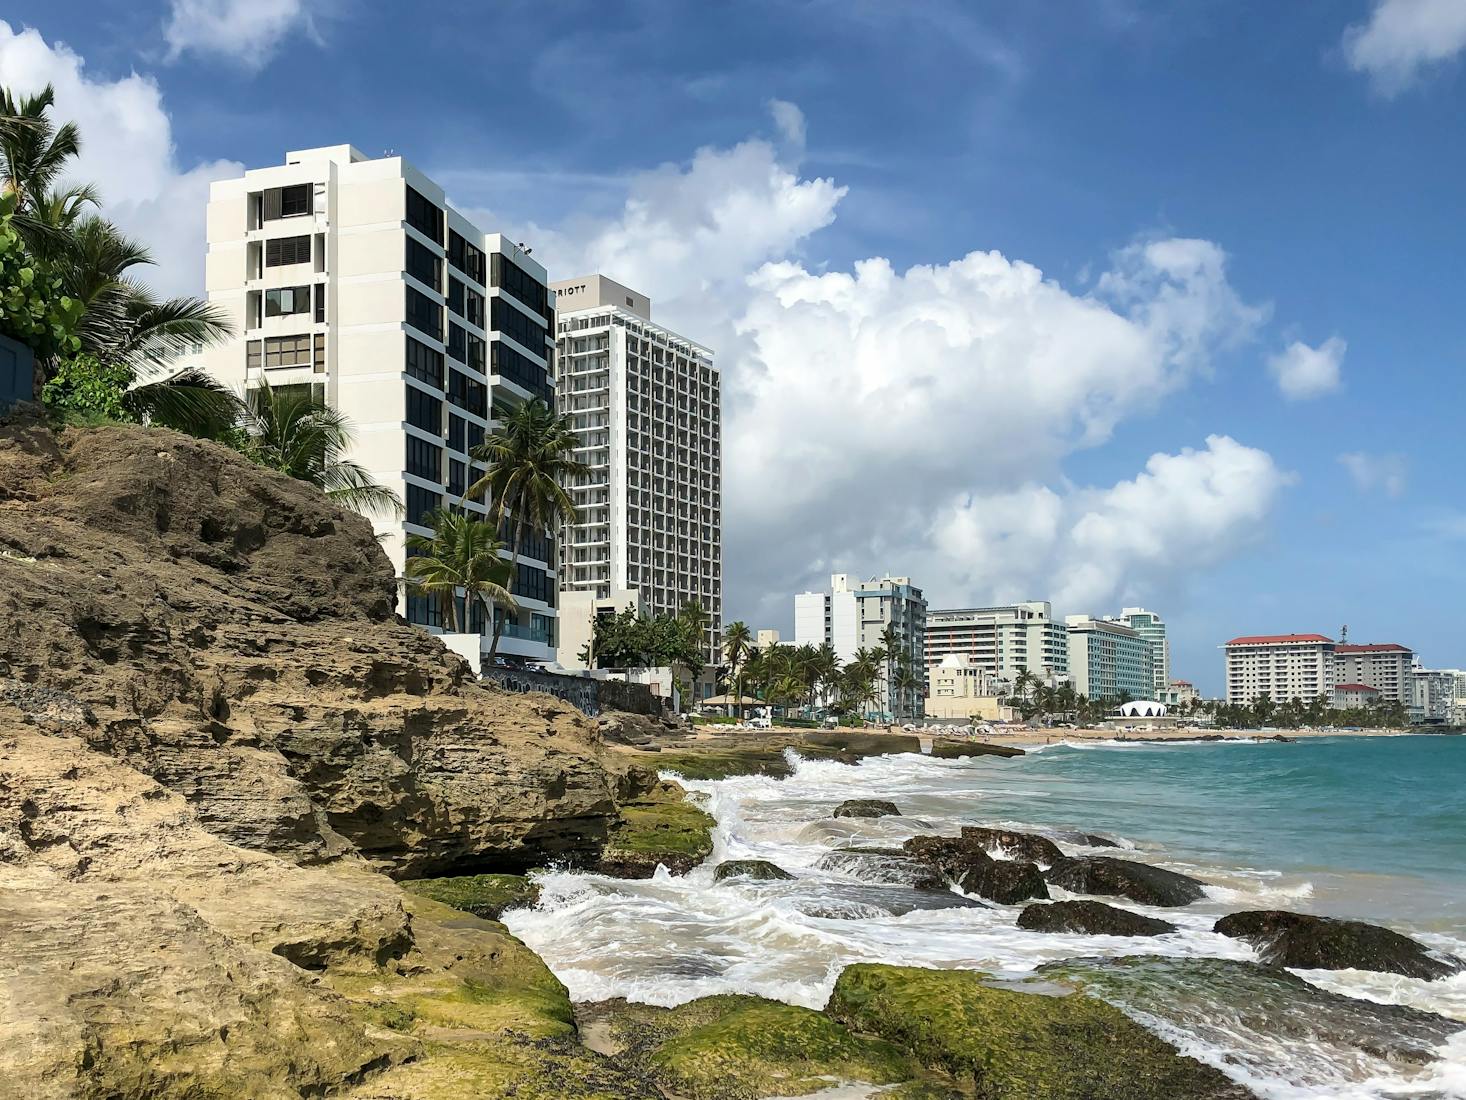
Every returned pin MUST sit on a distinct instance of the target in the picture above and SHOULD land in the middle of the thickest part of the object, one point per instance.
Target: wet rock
(866, 807)
(758, 869)
(1257, 1012)
(882, 865)
(965, 861)
(1093, 918)
(1002, 1044)
(1029, 846)
(1323, 943)
(951, 749)
(1140, 882)
(487, 896)
(659, 828)
(845, 901)
(1089, 840)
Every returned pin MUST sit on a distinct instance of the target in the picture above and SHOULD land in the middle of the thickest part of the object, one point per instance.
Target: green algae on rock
(487, 896)
(659, 827)
(757, 869)
(1010, 1045)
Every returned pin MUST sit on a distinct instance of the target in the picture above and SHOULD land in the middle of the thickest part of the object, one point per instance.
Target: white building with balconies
(354, 277)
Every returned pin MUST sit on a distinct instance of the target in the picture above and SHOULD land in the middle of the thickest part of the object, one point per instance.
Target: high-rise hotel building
(647, 408)
(354, 277)
(1004, 640)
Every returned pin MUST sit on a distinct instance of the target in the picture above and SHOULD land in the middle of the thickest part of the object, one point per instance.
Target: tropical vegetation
(459, 566)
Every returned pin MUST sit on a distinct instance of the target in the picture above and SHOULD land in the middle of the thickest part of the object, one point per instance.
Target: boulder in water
(1009, 1045)
(1028, 846)
(866, 807)
(1090, 918)
(758, 869)
(1140, 882)
(965, 861)
(1323, 943)
(884, 865)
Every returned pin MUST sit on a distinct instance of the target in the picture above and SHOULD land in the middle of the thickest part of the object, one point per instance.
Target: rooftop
(1355, 687)
(1373, 647)
(1277, 639)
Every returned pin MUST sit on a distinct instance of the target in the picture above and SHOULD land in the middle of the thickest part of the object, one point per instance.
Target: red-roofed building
(1280, 666)
(1384, 666)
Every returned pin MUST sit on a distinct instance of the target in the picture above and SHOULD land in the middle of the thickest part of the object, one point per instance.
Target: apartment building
(1108, 659)
(1152, 628)
(1385, 667)
(1280, 666)
(855, 615)
(354, 277)
(1004, 640)
(647, 408)
(1438, 696)
(961, 689)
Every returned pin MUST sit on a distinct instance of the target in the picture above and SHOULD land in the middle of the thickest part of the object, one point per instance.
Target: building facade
(1152, 628)
(354, 279)
(1004, 640)
(1384, 666)
(647, 409)
(1109, 660)
(961, 689)
(1349, 696)
(1438, 696)
(1280, 666)
(855, 615)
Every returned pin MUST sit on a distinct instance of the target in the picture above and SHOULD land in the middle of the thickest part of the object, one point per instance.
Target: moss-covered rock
(954, 749)
(724, 761)
(759, 869)
(660, 827)
(866, 807)
(741, 1048)
(487, 896)
(1009, 1045)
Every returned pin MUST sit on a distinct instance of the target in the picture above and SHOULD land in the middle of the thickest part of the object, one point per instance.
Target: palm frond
(190, 402)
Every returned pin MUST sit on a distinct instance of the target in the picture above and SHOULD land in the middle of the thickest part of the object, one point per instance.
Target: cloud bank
(1404, 38)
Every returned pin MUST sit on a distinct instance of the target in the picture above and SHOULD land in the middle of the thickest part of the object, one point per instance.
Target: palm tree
(33, 152)
(530, 459)
(462, 554)
(291, 431)
(737, 647)
(908, 681)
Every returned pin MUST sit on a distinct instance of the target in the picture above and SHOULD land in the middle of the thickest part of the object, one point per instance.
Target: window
(466, 258)
(253, 355)
(287, 300)
(457, 472)
(424, 364)
(475, 475)
(456, 434)
(522, 370)
(424, 314)
(514, 280)
(475, 353)
(532, 583)
(516, 324)
(455, 295)
(457, 343)
(423, 216)
(424, 611)
(424, 459)
(286, 202)
(421, 502)
(424, 411)
(288, 351)
(474, 304)
(422, 264)
(320, 292)
(467, 393)
(284, 251)
(475, 437)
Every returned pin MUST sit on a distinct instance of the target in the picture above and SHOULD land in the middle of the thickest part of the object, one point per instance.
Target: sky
(1105, 302)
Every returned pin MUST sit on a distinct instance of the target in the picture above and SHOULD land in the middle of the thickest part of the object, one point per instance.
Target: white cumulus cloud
(247, 32)
(1302, 372)
(1402, 38)
(127, 150)
(1370, 472)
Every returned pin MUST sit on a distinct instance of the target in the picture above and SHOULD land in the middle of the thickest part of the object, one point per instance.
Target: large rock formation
(1306, 942)
(230, 633)
(1140, 882)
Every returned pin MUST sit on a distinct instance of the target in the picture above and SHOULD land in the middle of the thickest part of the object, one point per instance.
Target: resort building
(766, 639)
(1180, 693)
(647, 408)
(353, 279)
(1438, 696)
(1109, 660)
(1004, 640)
(1384, 666)
(1349, 696)
(961, 688)
(1280, 666)
(1152, 628)
(855, 615)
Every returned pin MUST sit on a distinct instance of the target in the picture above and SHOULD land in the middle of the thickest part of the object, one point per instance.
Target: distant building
(1004, 640)
(1350, 696)
(855, 615)
(1280, 666)
(1438, 695)
(1181, 692)
(961, 688)
(579, 610)
(1152, 628)
(1386, 667)
(1108, 659)
(767, 639)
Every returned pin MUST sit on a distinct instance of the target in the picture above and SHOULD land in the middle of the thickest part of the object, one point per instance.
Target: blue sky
(1202, 189)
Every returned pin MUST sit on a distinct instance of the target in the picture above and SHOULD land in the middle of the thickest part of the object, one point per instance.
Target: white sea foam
(671, 939)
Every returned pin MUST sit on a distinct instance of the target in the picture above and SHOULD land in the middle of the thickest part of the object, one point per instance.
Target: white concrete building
(1152, 628)
(1438, 696)
(1108, 659)
(1005, 640)
(855, 615)
(353, 276)
(579, 610)
(647, 405)
(1280, 666)
(962, 688)
(1384, 666)
(1349, 696)
(767, 639)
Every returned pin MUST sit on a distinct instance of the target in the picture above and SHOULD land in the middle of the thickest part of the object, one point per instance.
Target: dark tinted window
(532, 583)
(457, 343)
(424, 363)
(457, 473)
(457, 438)
(286, 300)
(423, 216)
(424, 314)
(466, 258)
(295, 200)
(513, 279)
(424, 459)
(424, 411)
(467, 393)
(423, 264)
(518, 368)
(283, 251)
(517, 324)
(420, 502)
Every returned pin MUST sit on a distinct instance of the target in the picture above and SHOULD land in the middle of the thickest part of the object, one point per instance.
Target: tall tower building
(855, 615)
(647, 405)
(1152, 628)
(352, 276)
(1003, 640)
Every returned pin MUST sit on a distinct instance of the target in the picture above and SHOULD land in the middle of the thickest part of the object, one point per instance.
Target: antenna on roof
(1344, 633)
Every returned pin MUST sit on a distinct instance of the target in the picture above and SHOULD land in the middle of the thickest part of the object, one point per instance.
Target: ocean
(1372, 828)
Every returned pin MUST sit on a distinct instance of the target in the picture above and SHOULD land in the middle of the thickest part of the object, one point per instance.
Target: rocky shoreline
(256, 835)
